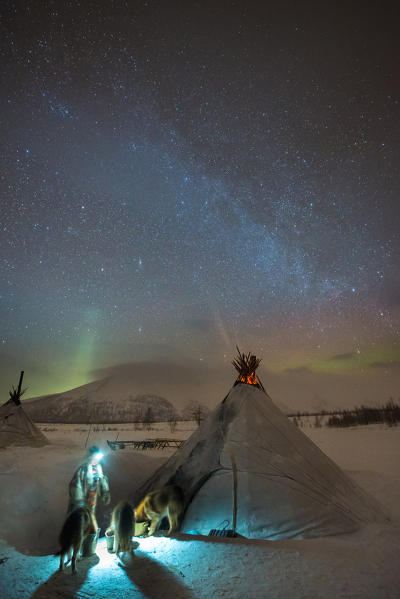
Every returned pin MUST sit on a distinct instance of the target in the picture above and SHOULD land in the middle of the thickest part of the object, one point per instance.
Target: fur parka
(80, 486)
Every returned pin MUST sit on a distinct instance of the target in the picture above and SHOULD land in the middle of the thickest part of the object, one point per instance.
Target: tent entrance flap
(225, 531)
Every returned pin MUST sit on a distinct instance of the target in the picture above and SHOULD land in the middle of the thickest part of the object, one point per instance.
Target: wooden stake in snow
(88, 435)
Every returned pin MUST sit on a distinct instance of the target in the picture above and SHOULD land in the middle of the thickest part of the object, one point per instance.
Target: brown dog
(78, 524)
(122, 527)
(167, 501)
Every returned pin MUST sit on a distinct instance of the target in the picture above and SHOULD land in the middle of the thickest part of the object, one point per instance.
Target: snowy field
(98, 434)
(33, 500)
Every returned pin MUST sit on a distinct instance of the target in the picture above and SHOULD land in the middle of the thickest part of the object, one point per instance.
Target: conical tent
(16, 428)
(286, 486)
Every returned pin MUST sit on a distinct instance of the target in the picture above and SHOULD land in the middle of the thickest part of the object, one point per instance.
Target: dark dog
(78, 524)
(122, 527)
(167, 501)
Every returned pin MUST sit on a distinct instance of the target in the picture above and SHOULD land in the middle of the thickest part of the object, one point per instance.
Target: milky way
(179, 179)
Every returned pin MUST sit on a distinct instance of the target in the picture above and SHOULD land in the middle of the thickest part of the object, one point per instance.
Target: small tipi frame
(16, 428)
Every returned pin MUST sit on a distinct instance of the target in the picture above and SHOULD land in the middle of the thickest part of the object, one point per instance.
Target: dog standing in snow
(122, 527)
(79, 524)
(166, 502)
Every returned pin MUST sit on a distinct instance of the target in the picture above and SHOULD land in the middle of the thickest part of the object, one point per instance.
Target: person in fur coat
(88, 483)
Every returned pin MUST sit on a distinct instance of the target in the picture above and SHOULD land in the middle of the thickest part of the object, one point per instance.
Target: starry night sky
(178, 177)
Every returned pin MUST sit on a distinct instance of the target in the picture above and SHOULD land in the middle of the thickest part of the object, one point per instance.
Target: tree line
(388, 414)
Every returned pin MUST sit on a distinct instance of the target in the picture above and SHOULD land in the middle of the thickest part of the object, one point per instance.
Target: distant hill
(106, 400)
(124, 393)
(191, 382)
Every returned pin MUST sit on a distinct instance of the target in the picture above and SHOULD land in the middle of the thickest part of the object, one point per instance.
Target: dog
(122, 527)
(79, 524)
(166, 502)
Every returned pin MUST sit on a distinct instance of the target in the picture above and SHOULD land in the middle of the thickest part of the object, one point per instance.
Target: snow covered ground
(33, 500)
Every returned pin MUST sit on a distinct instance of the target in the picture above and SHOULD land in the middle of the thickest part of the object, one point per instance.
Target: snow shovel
(229, 532)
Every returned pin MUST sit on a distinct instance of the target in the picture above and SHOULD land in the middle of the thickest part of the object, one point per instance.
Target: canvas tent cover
(287, 487)
(16, 428)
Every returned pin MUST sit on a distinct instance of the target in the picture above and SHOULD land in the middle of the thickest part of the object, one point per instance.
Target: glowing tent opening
(250, 379)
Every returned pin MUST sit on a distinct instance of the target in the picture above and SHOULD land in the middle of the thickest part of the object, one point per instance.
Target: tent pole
(234, 472)
(20, 384)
